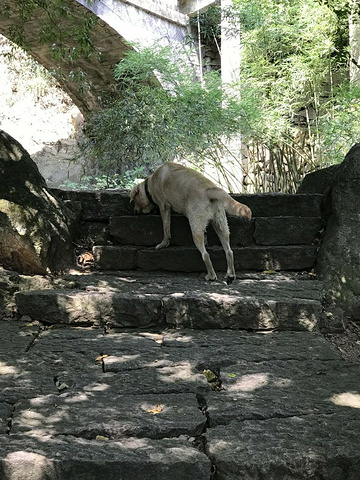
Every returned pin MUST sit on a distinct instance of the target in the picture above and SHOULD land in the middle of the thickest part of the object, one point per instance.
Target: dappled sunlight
(175, 337)
(309, 322)
(156, 337)
(79, 397)
(134, 443)
(226, 300)
(39, 423)
(184, 372)
(281, 382)
(249, 383)
(177, 295)
(346, 399)
(6, 369)
(97, 387)
(113, 359)
(267, 319)
(39, 465)
(220, 446)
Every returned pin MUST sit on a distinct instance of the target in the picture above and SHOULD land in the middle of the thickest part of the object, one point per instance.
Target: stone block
(187, 310)
(94, 233)
(111, 257)
(147, 230)
(98, 205)
(66, 457)
(187, 259)
(286, 257)
(282, 204)
(109, 414)
(298, 447)
(287, 230)
(90, 308)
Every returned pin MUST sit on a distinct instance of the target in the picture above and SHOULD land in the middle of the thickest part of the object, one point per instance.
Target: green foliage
(168, 116)
(340, 124)
(102, 181)
(295, 55)
(293, 107)
(209, 21)
(62, 27)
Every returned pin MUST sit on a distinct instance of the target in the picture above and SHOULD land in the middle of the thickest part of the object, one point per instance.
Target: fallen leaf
(100, 437)
(157, 409)
(63, 386)
(99, 359)
(232, 375)
(210, 376)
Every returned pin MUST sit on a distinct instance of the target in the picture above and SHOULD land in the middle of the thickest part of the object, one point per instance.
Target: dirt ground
(348, 341)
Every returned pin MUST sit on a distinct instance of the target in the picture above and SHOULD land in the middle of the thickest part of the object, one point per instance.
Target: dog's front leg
(165, 212)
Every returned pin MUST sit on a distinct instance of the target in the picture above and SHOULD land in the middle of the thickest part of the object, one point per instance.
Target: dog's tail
(232, 207)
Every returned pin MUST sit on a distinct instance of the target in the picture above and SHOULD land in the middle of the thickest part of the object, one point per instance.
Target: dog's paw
(229, 279)
(163, 244)
(211, 278)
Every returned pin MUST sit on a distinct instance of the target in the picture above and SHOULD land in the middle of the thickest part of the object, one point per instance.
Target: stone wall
(338, 263)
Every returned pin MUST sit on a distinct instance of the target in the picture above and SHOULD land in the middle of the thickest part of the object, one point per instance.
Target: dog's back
(188, 190)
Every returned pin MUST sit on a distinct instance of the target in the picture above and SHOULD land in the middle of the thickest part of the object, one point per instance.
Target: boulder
(338, 262)
(318, 181)
(35, 227)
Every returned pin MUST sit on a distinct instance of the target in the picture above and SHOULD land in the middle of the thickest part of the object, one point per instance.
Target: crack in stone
(201, 441)
(10, 419)
(34, 339)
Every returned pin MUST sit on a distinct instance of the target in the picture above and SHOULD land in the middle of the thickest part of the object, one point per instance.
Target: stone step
(147, 230)
(282, 204)
(140, 405)
(282, 302)
(188, 259)
(101, 204)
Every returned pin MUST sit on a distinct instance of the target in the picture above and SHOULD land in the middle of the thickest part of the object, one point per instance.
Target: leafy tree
(67, 32)
(169, 116)
(295, 55)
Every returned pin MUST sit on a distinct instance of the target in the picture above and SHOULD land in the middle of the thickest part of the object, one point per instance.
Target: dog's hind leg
(198, 237)
(221, 228)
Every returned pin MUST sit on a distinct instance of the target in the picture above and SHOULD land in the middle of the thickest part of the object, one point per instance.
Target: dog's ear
(134, 192)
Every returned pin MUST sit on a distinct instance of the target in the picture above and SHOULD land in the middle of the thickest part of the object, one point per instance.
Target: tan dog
(186, 191)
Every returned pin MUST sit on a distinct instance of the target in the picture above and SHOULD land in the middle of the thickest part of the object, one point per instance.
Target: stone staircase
(158, 374)
(282, 237)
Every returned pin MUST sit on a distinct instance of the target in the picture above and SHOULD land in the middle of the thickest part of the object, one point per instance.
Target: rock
(67, 457)
(188, 259)
(284, 304)
(98, 205)
(36, 228)
(297, 448)
(9, 282)
(147, 230)
(282, 204)
(338, 262)
(121, 415)
(286, 230)
(318, 181)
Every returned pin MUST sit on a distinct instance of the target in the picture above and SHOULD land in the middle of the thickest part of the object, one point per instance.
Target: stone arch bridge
(144, 22)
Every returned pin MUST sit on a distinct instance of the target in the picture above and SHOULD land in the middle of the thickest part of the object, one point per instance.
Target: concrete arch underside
(119, 22)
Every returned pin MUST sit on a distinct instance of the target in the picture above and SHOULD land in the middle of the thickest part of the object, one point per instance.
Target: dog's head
(142, 203)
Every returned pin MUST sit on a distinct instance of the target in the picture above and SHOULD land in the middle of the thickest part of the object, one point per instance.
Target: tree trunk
(354, 41)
